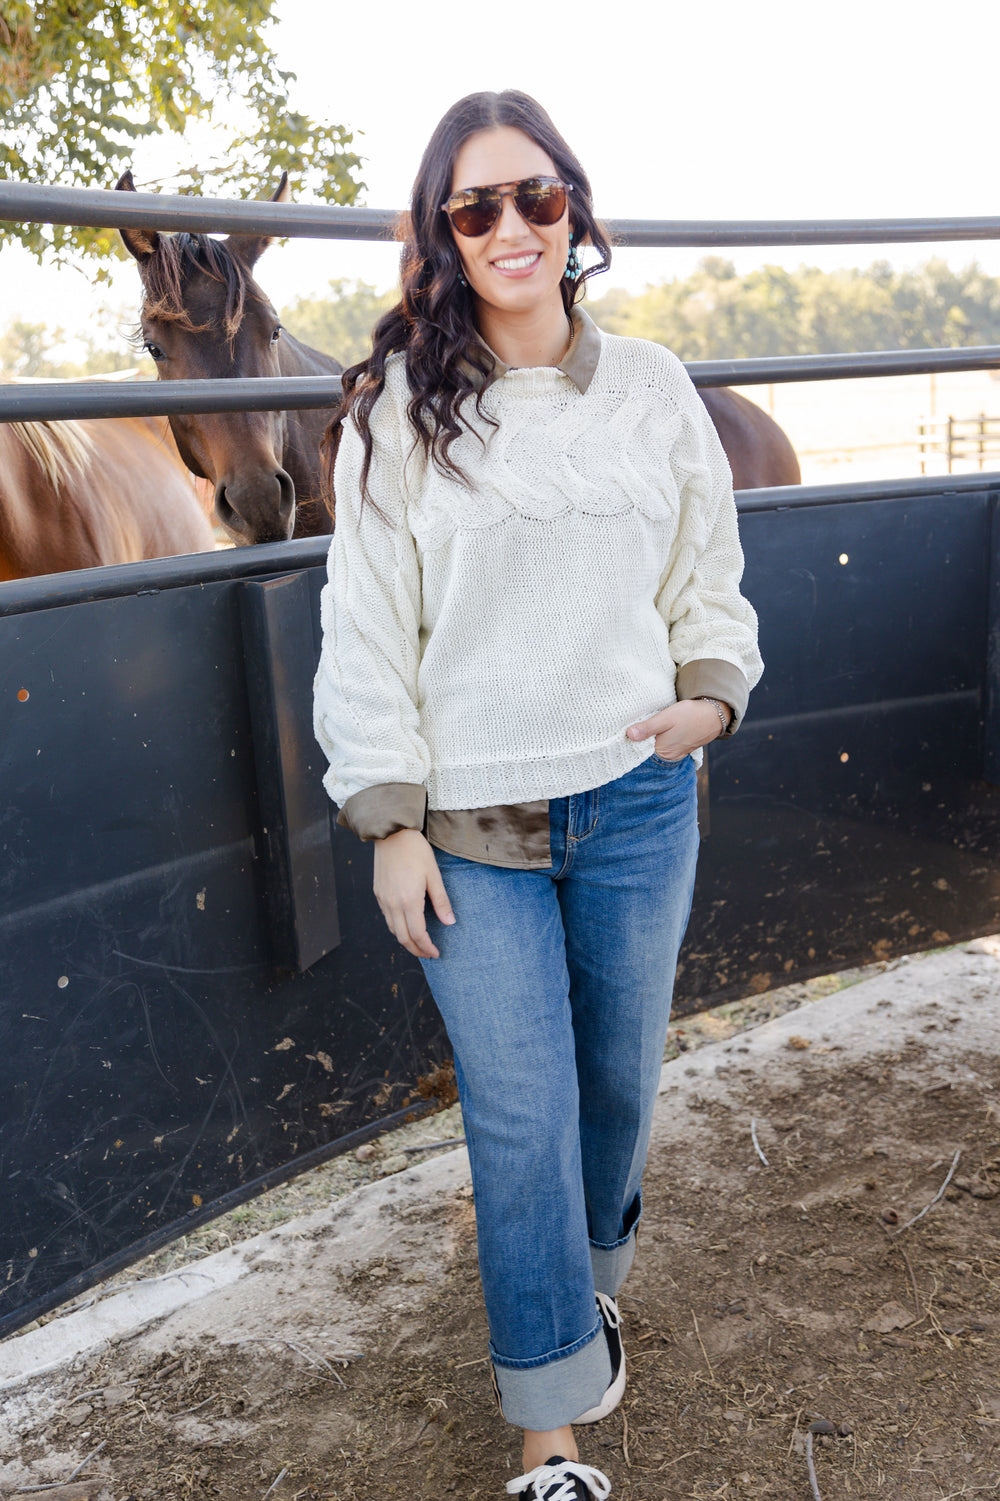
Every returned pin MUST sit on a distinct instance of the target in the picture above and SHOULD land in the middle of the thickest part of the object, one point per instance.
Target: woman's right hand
(406, 873)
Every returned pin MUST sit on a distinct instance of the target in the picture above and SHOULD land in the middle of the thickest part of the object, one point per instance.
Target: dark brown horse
(79, 494)
(204, 317)
(758, 450)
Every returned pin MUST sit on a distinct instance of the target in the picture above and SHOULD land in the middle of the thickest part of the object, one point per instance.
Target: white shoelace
(610, 1310)
(565, 1472)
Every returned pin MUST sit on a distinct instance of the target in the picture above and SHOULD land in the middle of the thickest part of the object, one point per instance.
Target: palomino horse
(79, 494)
(204, 317)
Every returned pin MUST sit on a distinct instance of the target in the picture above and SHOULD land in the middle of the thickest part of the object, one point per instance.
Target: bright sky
(774, 109)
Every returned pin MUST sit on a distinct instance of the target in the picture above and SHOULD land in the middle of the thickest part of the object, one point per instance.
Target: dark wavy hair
(433, 321)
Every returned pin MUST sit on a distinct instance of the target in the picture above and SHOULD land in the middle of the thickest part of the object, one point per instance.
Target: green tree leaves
(341, 322)
(715, 314)
(35, 351)
(81, 82)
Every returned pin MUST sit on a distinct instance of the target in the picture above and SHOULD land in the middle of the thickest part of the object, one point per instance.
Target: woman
(531, 627)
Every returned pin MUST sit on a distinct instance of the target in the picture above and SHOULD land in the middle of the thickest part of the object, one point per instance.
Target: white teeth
(517, 263)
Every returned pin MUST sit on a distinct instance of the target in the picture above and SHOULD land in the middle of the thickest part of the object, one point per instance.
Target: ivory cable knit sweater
(493, 642)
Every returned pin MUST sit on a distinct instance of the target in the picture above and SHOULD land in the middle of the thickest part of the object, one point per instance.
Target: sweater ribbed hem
(466, 787)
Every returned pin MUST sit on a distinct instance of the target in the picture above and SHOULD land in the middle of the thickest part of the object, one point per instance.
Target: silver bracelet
(717, 706)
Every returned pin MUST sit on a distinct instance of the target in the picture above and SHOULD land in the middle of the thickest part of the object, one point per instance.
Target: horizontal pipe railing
(779, 369)
(712, 233)
(103, 208)
(77, 400)
(110, 209)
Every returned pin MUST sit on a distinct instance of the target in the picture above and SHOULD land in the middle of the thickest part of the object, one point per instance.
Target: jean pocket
(671, 765)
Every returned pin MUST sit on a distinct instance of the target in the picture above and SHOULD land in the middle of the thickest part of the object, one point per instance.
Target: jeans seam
(579, 838)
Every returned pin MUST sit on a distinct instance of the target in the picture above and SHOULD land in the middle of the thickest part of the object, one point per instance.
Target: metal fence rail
(106, 209)
(77, 400)
(109, 209)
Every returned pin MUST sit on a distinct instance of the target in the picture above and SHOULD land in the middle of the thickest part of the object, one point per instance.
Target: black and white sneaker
(611, 1318)
(561, 1480)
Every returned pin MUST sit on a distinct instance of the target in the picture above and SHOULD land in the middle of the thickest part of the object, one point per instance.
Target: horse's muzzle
(259, 509)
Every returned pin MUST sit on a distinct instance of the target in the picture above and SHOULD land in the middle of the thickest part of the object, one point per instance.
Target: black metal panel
(992, 728)
(807, 497)
(296, 855)
(151, 1060)
(851, 818)
(46, 591)
(154, 1066)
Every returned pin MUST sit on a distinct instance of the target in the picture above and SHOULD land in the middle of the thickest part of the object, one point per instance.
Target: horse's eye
(276, 335)
(153, 350)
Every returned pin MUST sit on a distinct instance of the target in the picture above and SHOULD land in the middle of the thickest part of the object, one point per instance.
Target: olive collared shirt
(517, 834)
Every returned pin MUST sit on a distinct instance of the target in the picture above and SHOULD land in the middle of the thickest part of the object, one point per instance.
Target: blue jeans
(555, 987)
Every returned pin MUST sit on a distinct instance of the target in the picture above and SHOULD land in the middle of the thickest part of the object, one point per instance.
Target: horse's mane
(166, 271)
(62, 450)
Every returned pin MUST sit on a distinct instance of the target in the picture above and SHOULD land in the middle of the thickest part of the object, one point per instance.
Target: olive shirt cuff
(710, 677)
(377, 812)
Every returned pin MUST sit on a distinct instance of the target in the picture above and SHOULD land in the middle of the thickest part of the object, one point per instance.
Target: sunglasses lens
(478, 213)
(540, 202)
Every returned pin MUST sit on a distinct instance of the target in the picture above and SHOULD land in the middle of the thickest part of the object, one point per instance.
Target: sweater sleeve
(699, 597)
(365, 691)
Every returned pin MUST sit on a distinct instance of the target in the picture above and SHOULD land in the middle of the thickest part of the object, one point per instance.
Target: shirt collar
(579, 362)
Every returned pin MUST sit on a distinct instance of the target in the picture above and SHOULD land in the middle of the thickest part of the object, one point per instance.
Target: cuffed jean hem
(611, 1262)
(557, 1388)
(611, 1265)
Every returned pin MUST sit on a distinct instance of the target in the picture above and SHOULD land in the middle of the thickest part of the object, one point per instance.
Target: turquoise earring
(573, 266)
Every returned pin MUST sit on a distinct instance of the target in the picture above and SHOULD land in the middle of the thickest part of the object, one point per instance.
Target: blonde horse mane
(62, 450)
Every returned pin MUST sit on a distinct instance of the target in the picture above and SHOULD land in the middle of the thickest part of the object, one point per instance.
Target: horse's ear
(250, 248)
(141, 243)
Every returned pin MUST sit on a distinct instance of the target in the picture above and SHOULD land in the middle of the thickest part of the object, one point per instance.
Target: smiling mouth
(517, 262)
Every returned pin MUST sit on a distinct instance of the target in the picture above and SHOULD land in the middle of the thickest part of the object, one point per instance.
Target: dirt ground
(767, 1298)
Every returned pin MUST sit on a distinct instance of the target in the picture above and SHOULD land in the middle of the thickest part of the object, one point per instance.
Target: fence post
(991, 739)
(295, 857)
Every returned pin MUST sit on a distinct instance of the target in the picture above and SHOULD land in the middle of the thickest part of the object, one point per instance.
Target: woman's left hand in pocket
(680, 729)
